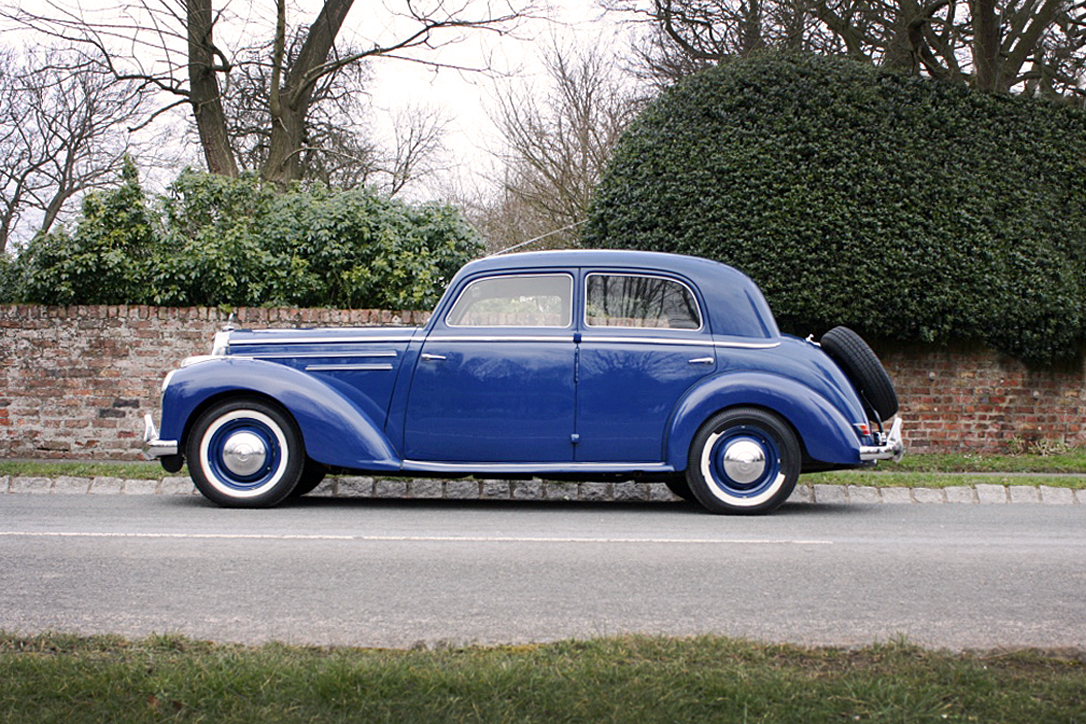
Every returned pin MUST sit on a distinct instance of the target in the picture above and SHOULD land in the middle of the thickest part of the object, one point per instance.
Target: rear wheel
(681, 488)
(245, 453)
(744, 460)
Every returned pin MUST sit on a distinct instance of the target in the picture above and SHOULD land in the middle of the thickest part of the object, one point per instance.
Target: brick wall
(971, 398)
(76, 381)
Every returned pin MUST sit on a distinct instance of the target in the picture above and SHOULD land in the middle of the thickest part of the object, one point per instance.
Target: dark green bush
(905, 208)
(107, 260)
(8, 280)
(214, 240)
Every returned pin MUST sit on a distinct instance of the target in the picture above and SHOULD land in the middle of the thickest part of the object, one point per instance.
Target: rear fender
(335, 430)
(826, 434)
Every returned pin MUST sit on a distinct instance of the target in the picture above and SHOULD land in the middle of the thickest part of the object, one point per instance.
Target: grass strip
(921, 470)
(627, 679)
(52, 469)
(1072, 461)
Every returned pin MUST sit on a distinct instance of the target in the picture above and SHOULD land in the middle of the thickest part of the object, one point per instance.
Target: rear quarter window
(633, 300)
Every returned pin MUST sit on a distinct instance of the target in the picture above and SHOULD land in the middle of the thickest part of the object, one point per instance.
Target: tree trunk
(204, 90)
(6, 217)
(986, 45)
(289, 113)
(901, 52)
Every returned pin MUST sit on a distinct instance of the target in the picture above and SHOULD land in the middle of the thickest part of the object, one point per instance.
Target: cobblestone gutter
(425, 489)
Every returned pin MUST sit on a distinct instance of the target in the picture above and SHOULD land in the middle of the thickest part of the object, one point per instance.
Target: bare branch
(174, 47)
(558, 140)
(64, 134)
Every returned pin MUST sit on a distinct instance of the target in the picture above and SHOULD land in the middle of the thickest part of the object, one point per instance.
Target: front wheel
(744, 460)
(245, 453)
(313, 474)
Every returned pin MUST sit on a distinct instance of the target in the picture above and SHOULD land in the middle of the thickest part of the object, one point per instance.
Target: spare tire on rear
(862, 366)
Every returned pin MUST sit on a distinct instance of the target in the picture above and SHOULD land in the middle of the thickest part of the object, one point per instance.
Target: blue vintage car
(569, 365)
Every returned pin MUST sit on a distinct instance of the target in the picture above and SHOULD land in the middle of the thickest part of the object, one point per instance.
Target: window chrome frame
(690, 290)
(569, 323)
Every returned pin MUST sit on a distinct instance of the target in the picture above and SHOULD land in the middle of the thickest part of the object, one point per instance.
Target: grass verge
(51, 469)
(1072, 461)
(1066, 470)
(628, 679)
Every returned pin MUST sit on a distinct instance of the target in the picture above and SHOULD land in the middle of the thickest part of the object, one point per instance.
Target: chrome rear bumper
(153, 447)
(892, 447)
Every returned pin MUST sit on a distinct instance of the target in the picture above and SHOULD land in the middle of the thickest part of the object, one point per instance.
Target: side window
(619, 300)
(535, 300)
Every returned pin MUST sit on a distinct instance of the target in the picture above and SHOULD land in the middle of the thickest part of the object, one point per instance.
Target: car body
(586, 365)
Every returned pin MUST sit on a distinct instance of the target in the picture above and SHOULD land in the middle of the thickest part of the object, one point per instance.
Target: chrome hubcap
(744, 461)
(244, 453)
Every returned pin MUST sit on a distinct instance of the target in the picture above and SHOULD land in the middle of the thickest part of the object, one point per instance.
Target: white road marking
(411, 538)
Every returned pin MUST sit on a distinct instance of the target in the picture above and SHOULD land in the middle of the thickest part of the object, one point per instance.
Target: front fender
(335, 430)
(826, 434)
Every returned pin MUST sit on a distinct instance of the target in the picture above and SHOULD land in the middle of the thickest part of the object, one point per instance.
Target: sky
(465, 97)
(462, 97)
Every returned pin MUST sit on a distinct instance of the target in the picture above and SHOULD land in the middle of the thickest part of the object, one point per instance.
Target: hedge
(905, 208)
(214, 241)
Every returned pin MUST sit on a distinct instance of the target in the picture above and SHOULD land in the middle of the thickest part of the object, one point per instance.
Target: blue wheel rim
(748, 437)
(216, 448)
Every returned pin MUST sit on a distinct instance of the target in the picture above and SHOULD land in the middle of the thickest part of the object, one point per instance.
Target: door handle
(433, 357)
(703, 361)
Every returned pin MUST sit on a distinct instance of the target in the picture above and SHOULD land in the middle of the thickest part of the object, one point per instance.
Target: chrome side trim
(892, 447)
(498, 338)
(153, 447)
(321, 355)
(322, 340)
(680, 340)
(747, 345)
(349, 368)
(198, 358)
(542, 468)
(648, 340)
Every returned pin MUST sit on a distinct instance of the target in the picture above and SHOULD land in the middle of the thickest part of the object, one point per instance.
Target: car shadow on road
(328, 502)
(312, 502)
(790, 508)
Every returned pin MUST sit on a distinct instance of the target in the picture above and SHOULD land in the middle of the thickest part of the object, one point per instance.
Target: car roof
(614, 258)
(723, 286)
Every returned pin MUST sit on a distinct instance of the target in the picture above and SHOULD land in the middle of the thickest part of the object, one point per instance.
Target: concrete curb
(426, 489)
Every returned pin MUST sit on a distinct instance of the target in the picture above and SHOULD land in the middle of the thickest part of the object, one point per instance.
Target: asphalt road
(397, 573)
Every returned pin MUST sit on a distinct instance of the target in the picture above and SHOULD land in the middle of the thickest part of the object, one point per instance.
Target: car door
(494, 380)
(644, 343)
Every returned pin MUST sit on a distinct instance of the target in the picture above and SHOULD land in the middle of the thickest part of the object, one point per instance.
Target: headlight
(222, 341)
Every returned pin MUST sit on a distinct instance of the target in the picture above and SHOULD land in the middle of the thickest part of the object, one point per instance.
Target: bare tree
(558, 140)
(418, 144)
(61, 134)
(174, 47)
(506, 220)
(333, 148)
